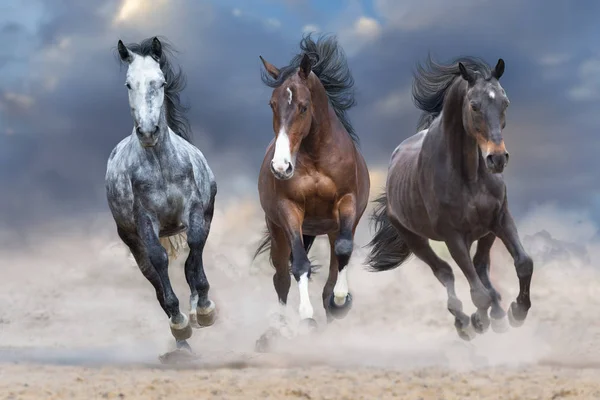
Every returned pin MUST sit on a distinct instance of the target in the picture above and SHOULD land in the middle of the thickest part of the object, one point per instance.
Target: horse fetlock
(481, 298)
(454, 305)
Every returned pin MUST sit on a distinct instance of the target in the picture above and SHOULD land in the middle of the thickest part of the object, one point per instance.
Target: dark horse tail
(265, 245)
(388, 250)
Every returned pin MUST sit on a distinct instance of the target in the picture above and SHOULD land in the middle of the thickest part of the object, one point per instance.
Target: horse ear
(124, 53)
(466, 74)
(499, 70)
(156, 49)
(271, 69)
(305, 67)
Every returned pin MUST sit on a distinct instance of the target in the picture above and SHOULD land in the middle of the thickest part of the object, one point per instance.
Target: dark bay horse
(159, 185)
(445, 183)
(313, 180)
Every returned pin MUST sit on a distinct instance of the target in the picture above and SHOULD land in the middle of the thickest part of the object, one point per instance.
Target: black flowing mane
(176, 81)
(329, 64)
(432, 81)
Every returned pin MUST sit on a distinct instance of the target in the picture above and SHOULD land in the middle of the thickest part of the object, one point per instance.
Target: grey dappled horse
(159, 185)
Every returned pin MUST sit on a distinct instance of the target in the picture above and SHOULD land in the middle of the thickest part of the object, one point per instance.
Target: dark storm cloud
(53, 155)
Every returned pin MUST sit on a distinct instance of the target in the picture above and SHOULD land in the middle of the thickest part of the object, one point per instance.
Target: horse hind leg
(420, 247)
(280, 257)
(481, 261)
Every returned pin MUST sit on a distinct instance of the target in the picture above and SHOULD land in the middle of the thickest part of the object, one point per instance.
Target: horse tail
(388, 250)
(265, 245)
(174, 244)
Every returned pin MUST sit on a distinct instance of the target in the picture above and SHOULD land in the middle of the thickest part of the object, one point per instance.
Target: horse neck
(462, 148)
(320, 129)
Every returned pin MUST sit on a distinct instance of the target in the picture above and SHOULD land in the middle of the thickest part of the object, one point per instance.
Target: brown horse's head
(484, 114)
(292, 116)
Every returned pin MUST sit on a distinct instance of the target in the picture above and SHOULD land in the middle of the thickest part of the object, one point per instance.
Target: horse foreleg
(202, 309)
(459, 251)
(341, 301)
(144, 254)
(331, 278)
(481, 261)
(507, 232)
(290, 221)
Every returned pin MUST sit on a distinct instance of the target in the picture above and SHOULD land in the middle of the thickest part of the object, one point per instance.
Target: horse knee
(343, 248)
(524, 266)
(444, 274)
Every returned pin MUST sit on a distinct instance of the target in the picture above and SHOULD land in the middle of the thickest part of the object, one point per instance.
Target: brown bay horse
(313, 180)
(445, 183)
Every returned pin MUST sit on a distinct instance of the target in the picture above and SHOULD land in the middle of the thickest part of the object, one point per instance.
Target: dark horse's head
(292, 116)
(484, 114)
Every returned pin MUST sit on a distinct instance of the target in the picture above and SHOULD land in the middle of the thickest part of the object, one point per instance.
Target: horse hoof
(337, 311)
(308, 325)
(500, 325)
(465, 329)
(480, 322)
(516, 315)
(182, 333)
(178, 356)
(184, 345)
(263, 344)
(204, 317)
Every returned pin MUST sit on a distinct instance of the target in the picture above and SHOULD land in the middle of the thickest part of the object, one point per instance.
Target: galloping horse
(159, 185)
(313, 180)
(445, 183)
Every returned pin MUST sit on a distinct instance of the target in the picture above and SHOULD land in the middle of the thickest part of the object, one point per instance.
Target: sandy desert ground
(78, 320)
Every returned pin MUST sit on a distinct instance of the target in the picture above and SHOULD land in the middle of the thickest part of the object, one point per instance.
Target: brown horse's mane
(331, 67)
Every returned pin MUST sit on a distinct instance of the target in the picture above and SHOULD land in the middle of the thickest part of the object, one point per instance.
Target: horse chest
(318, 193)
(165, 194)
(481, 210)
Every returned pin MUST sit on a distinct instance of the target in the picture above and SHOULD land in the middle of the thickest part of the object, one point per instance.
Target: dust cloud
(71, 294)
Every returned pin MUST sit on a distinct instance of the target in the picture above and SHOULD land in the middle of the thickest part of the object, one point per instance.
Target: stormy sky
(63, 106)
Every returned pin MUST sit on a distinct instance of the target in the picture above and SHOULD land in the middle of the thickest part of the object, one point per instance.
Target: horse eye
(128, 85)
(474, 106)
(303, 109)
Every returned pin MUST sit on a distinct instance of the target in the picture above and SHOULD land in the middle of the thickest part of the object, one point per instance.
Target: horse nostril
(289, 169)
(155, 129)
(507, 157)
(138, 130)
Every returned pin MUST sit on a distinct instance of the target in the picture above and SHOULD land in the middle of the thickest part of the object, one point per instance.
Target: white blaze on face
(146, 96)
(290, 94)
(305, 310)
(340, 291)
(282, 157)
(492, 94)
